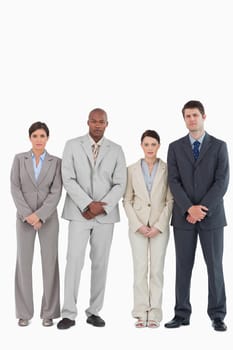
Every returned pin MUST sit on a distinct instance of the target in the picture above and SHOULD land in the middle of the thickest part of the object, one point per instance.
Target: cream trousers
(148, 262)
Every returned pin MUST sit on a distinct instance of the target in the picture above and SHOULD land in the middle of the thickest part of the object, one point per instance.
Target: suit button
(149, 205)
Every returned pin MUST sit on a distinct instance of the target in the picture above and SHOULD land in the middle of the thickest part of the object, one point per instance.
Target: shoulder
(23, 155)
(134, 166)
(77, 141)
(52, 157)
(178, 142)
(215, 140)
(112, 144)
(162, 164)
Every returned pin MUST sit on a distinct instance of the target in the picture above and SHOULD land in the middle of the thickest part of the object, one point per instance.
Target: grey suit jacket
(85, 182)
(31, 196)
(204, 181)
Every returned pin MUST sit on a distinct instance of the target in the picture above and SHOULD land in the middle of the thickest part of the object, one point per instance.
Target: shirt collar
(42, 156)
(192, 140)
(99, 143)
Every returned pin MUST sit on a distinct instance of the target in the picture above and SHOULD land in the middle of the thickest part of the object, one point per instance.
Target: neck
(197, 134)
(37, 152)
(150, 161)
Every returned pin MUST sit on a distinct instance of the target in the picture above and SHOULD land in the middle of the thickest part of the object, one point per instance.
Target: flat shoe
(152, 324)
(47, 322)
(140, 323)
(22, 322)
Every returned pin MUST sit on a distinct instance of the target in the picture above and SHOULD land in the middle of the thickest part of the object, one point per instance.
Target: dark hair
(194, 104)
(150, 133)
(38, 125)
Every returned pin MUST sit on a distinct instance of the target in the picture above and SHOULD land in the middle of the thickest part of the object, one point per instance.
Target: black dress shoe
(96, 321)
(219, 325)
(176, 322)
(65, 323)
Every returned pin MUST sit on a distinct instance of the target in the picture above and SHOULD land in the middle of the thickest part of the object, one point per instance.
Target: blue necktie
(196, 152)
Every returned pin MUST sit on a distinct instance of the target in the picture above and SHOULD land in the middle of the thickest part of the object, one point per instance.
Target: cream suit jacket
(31, 196)
(143, 208)
(85, 181)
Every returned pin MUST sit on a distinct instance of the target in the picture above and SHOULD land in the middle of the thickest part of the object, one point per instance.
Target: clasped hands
(94, 209)
(196, 213)
(34, 221)
(148, 232)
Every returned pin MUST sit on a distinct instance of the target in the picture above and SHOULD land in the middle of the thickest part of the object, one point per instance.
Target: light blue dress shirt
(37, 168)
(149, 178)
(192, 140)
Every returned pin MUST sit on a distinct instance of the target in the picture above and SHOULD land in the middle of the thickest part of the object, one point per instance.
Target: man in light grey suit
(94, 176)
(198, 175)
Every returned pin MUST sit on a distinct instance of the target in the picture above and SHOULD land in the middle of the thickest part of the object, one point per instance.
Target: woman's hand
(152, 232)
(144, 229)
(32, 219)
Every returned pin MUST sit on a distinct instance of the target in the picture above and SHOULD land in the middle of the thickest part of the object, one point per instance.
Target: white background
(140, 61)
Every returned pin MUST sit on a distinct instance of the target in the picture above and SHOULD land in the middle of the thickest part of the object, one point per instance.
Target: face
(38, 140)
(194, 120)
(150, 147)
(97, 123)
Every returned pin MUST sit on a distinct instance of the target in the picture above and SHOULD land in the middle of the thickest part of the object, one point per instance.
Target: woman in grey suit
(148, 204)
(36, 187)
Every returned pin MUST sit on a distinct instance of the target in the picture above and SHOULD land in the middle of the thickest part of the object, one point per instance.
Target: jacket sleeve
(54, 195)
(75, 191)
(23, 209)
(128, 198)
(118, 183)
(165, 215)
(219, 187)
(174, 181)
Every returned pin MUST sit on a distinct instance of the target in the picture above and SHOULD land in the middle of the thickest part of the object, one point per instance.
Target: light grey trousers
(48, 238)
(100, 237)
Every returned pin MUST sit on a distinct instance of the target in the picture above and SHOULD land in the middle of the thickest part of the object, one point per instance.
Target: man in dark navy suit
(198, 176)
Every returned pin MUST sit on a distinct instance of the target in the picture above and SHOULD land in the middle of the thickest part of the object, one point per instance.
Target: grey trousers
(100, 237)
(48, 238)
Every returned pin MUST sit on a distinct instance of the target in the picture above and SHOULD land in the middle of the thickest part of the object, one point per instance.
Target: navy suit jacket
(203, 181)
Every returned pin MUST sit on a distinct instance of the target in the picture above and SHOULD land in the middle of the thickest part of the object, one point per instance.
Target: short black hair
(98, 110)
(151, 133)
(38, 125)
(194, 104)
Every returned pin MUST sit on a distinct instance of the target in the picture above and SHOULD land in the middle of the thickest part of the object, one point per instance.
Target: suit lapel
(86, 144)
(104, 148)
(158, 175)
(139, 178)
(204, 148)
(45, 168)
(188, 149)
(29, 167)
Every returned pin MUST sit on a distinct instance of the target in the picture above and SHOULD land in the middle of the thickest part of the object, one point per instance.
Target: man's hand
(197, 212)
(32, 219)
(96, 208)
(88, 215)
(190, 219)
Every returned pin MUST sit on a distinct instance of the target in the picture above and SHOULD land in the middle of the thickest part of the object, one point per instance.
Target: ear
(204, 116)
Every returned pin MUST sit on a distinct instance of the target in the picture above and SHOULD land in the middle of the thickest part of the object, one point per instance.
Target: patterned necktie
(95, 151)
(196, 152)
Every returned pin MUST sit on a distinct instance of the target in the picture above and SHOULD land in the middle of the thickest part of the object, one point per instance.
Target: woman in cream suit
(148, 205)
(36, 187)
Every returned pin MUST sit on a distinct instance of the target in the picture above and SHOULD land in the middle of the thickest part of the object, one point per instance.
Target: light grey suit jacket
(85, 181)
(142, 208)
(30, 196)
